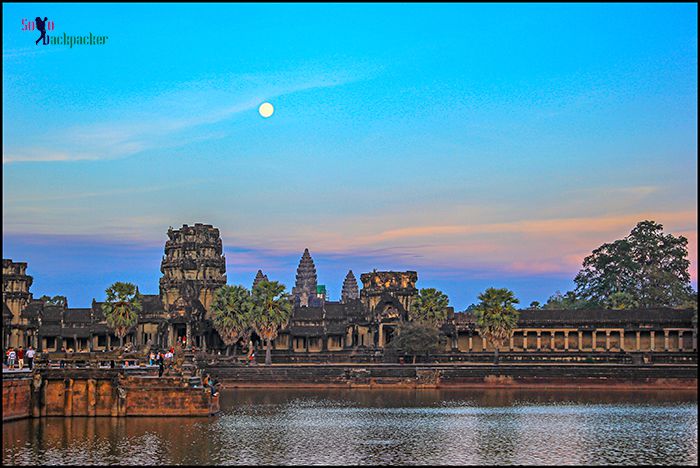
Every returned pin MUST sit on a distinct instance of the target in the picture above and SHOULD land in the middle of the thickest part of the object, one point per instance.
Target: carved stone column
(539, 341)
(607, 340)
(510, 347)
(594, 340)
(470, 343)
(524, 341)
(680, 340)
(665, 340)
(580, 340)
(638, 345)
(566, 340)
(188, 334)
(652, 336)
(551, 340)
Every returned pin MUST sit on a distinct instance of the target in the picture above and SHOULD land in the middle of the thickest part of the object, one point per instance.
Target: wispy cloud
(183, 117)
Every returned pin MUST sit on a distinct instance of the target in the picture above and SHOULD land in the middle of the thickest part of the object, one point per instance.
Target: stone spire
(306, 280)
(258, 278)
(350, 289)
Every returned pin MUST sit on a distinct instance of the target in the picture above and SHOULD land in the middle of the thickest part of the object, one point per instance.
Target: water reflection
(381, 427)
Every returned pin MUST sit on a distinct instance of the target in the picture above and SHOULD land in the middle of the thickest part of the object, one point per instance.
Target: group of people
(17, 357)
(161, 359)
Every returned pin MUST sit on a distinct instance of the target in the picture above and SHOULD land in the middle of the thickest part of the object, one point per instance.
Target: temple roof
(33, 310)
(307, 331)
(584, 317)
(52, 313)
(77, 316)
(307, 313)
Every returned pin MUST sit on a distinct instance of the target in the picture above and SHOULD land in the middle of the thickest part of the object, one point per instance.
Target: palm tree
(271, 310)
(496, 316)
(231, 313)
(430, 307)
(121, 308)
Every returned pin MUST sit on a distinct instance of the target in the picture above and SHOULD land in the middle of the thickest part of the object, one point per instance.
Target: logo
(43, 25)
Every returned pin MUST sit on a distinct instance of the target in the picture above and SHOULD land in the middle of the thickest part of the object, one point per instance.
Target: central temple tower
(193, 269)
(304, 291)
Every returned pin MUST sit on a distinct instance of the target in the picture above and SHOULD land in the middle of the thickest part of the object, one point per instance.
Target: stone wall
(16, 397)
(458, 376)
(104, 392)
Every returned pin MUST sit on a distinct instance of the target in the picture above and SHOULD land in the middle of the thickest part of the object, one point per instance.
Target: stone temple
(363, 320)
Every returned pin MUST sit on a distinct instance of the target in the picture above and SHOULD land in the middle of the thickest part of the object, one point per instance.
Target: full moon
(266, 109)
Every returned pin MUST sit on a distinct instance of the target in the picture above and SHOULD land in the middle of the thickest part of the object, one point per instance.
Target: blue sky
(481, 145)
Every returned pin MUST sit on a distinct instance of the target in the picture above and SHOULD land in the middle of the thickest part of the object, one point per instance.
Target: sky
(491, 145)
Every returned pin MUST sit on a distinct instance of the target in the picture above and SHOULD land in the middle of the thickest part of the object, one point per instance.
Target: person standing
(160, 364)
(11, 355)
(30, 357)
(20, 358)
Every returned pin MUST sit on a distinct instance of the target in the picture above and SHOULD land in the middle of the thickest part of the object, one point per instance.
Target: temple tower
(193, 268)
(380, 288)
(388, 295)
(15, 297)
(306, 281)
(258, 278)
(350, 288)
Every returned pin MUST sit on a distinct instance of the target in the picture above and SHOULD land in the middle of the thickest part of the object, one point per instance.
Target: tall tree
(430, 307)
(231, 313)
(496, 316)
(648, 266)
(121, 308)
(271, 310)
(416, 338)
(535, 305)
(55, 300)
(567, 301)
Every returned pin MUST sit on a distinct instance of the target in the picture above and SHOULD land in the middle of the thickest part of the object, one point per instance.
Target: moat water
(381, 427)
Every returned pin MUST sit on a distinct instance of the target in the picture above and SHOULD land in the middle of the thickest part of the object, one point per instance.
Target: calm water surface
(381, 427)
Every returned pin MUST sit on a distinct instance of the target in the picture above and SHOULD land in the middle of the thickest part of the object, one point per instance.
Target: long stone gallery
(355, 329)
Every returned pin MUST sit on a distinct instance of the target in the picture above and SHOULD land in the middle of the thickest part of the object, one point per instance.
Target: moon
(266, 109)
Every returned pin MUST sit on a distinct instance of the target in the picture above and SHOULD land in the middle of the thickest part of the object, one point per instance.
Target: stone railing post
(594, 341)
(580, 341)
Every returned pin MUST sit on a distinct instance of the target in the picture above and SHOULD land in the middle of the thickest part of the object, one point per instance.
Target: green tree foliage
(535, 305)
(620, 300)
(691, 302)
(650, 267)
(567, 301)
(496, 316)
(121, 308)
(417, 339)
(430, 307)
(271, 310)
(231, 313)
(55, 300)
